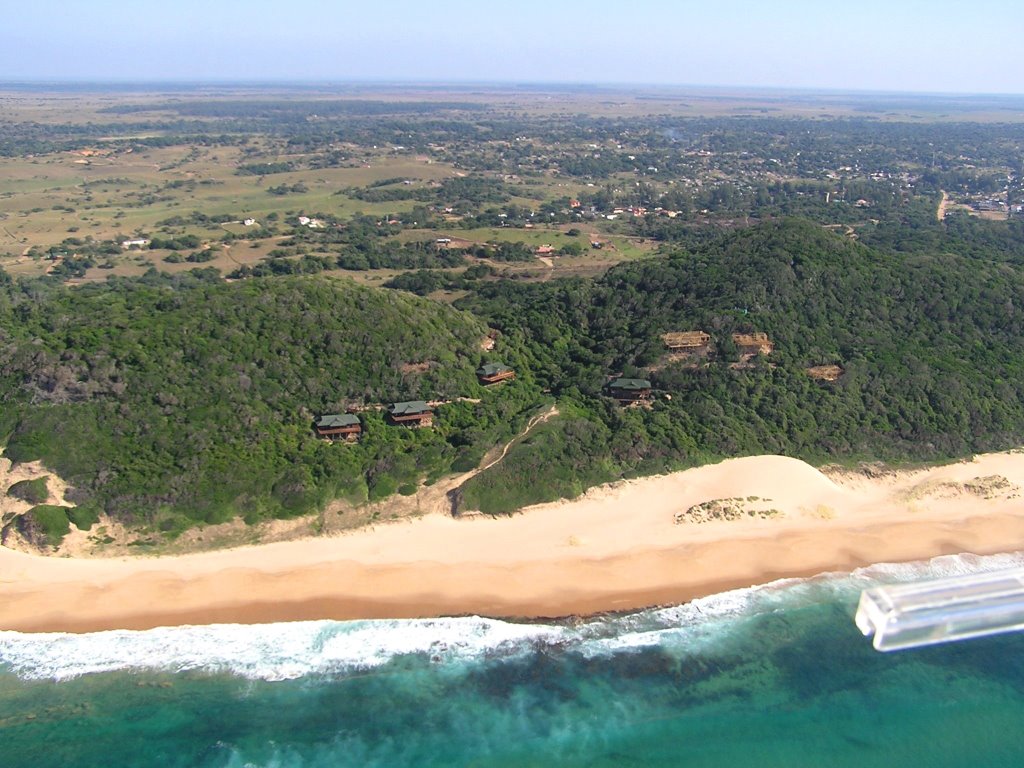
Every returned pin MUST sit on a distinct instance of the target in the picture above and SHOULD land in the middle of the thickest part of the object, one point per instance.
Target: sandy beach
(632, 544)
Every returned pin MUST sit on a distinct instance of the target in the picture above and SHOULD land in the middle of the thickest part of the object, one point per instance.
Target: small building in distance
(492, 373)
(413, 413)
(751, 344)
(339, 426)
(825, 372)
(628, 391)
(686, 341)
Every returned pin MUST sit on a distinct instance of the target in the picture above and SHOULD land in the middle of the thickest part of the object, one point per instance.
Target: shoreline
(617, 548)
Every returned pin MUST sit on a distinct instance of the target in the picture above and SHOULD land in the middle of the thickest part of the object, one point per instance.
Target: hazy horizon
(941, 47)
(456, 85)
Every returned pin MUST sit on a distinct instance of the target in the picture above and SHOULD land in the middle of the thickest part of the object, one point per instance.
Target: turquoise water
(774, 676)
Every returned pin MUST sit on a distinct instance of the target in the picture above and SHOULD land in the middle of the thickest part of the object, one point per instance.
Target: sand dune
(618, 547)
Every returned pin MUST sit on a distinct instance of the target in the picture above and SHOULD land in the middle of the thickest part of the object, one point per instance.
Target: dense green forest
(170, 401)
(167, 401)
(931, 344)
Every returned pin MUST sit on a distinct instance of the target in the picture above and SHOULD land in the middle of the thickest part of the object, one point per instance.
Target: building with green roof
(492, 373)
(412, 413)
(629, 390)
(339, 425)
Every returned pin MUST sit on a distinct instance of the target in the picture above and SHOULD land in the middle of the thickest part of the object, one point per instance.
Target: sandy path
(618, 547)
(540, 418)
(940, 214)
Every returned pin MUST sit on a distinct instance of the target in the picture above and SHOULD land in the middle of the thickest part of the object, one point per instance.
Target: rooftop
(750, 339)
(621, 383)
(492, 369)
(685, 339)
(334, 420)
(408, 408)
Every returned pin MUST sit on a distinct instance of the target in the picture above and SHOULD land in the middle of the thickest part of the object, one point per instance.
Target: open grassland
(113, 192)
(111, 188)
(115, 195)
(46, 199)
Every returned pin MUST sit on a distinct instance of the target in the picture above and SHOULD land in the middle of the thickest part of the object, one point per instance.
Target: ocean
(776, 675)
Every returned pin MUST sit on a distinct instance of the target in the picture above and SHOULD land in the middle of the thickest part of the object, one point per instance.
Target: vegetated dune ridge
(637, 543)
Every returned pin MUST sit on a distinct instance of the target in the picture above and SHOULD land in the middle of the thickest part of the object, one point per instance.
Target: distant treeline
(295, 108)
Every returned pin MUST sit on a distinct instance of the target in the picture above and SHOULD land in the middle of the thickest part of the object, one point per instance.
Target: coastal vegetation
(929, 347)
(33, 491)
(189, 284)
(168, 402)
(44, 525)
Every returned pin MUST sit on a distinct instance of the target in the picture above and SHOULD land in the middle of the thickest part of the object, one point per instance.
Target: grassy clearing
(126, 193)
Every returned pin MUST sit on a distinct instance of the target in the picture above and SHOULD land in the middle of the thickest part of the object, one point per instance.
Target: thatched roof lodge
(678, 341)
(753, 343)
(412, 413)
(825, 372)
(333, 426)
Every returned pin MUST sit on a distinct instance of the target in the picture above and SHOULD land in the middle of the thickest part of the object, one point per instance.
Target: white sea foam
(940, 567)
(292, 650)
(266, 651)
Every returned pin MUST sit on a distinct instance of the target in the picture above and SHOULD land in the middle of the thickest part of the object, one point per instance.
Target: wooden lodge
(686, 341)
(414, 413)
(825, 372)
(753, 343)
(492, 373)
(629, 391)
(339, 426)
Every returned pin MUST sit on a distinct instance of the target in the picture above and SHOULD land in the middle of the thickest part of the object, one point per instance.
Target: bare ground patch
(987, 487)
(738, 508)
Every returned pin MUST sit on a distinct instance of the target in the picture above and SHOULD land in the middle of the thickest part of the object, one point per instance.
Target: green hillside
(166, 401)
(932, 348)
(171, 401)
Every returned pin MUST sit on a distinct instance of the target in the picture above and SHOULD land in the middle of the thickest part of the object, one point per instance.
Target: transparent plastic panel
(943, 610)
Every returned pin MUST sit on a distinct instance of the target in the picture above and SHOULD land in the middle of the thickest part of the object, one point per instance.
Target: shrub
(44, 524)
(32, 491)
(382, 488)
(84, 517)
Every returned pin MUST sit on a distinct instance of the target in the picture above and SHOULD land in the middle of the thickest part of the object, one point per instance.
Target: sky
(896, 45)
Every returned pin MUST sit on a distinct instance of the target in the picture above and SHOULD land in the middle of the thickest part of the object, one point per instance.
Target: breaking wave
(293, 650)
